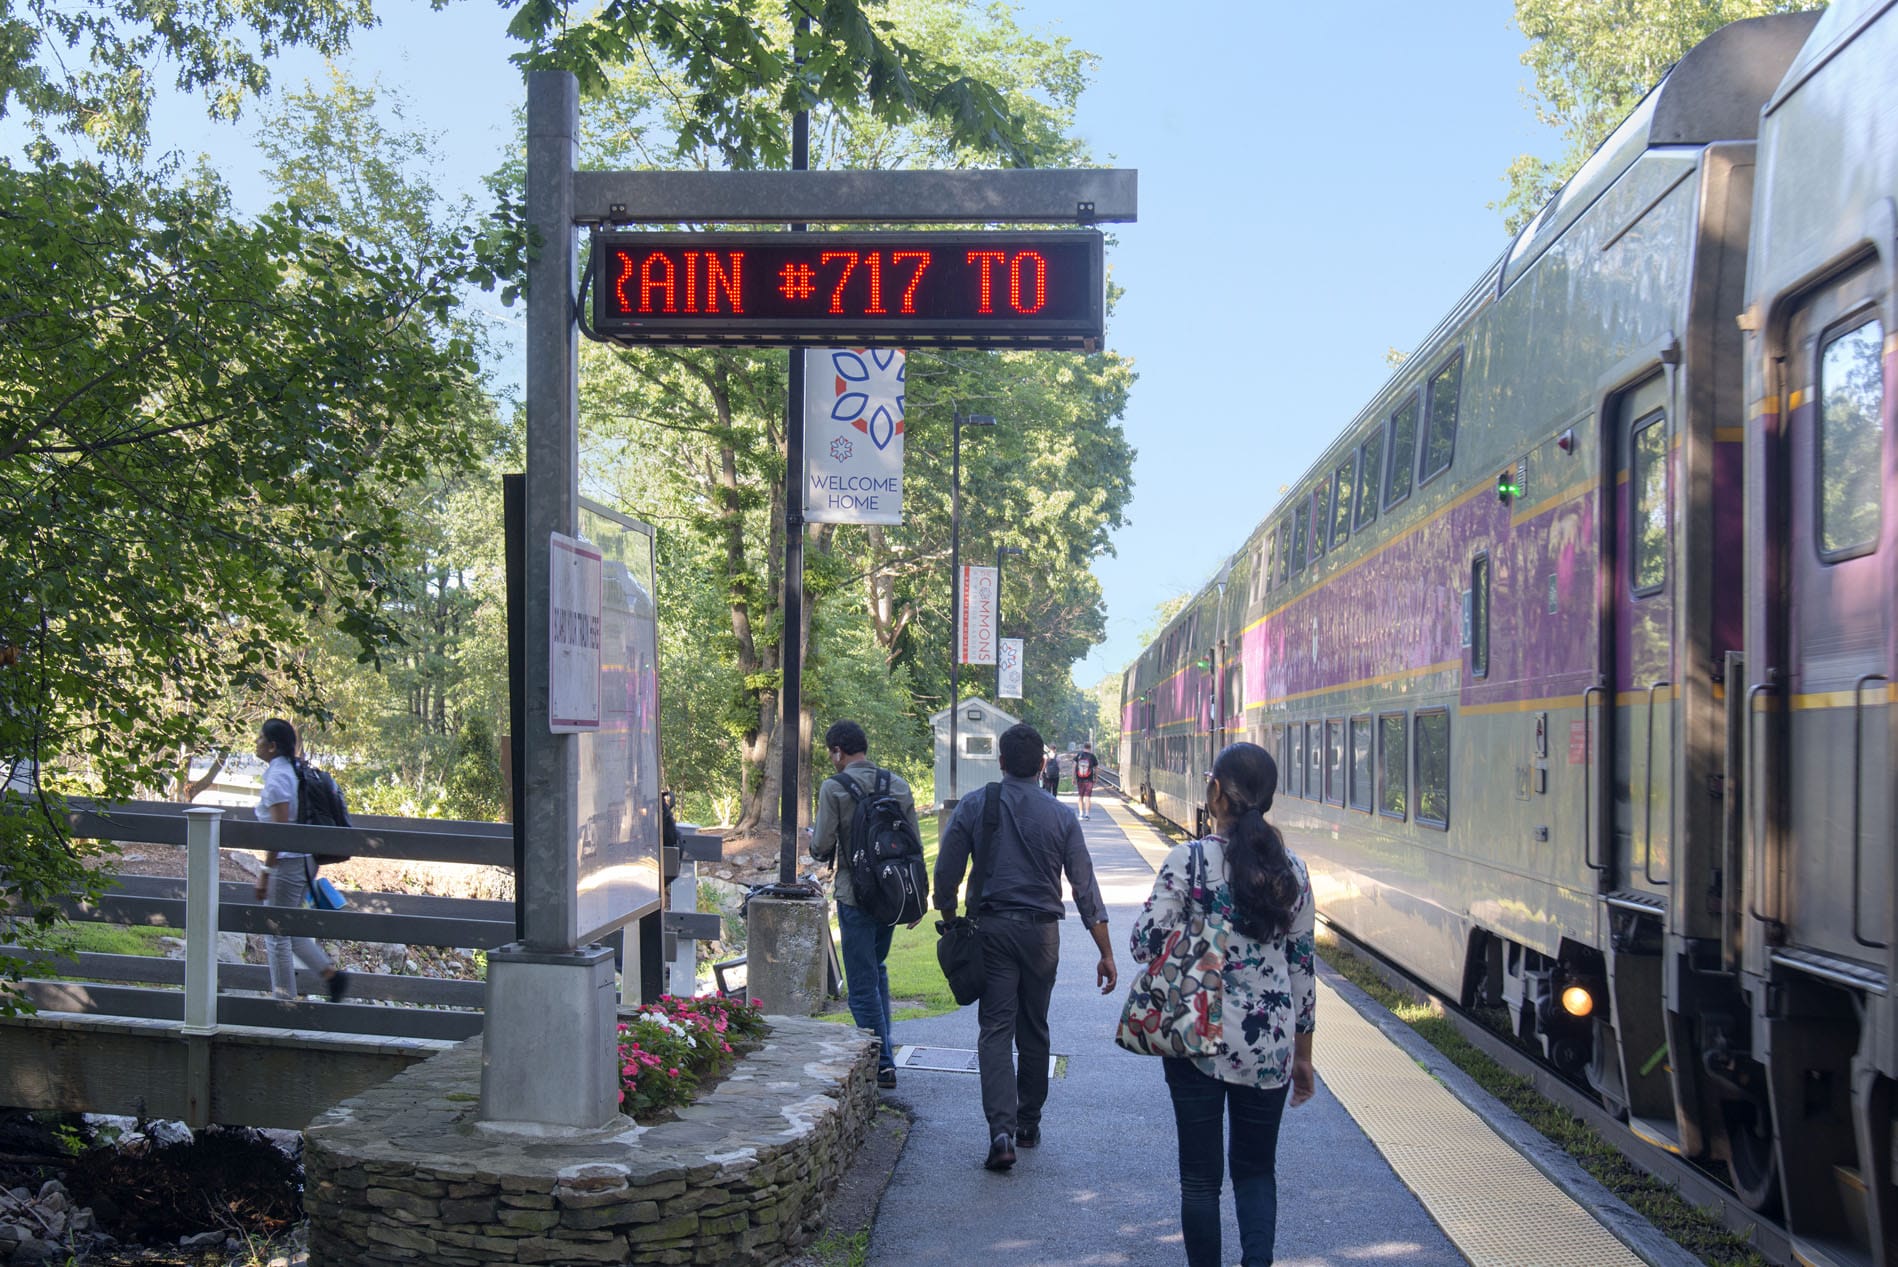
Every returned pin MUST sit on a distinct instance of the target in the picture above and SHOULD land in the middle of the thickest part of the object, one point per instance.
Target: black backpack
(884, 856)
(1083, 765)
(320, 804)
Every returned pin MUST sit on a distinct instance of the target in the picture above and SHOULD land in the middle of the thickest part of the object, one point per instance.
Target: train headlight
(1577, 1001)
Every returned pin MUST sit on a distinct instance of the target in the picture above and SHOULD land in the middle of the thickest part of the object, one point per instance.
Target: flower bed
(668, 1050)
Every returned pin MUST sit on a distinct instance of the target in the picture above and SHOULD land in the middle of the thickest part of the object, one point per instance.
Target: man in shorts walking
(1084, 778)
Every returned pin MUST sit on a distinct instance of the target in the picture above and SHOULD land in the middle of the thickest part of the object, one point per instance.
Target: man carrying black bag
(1032, 842)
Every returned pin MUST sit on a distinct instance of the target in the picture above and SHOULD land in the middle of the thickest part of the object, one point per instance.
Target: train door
(1827, 783)
(1642, 635)
(1835, 778)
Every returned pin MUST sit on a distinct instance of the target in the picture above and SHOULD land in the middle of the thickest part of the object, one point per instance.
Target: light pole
(955, 580)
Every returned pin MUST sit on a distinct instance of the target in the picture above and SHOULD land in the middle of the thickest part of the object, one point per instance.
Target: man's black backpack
(1083, 765)
(884, 856)
(320, 804)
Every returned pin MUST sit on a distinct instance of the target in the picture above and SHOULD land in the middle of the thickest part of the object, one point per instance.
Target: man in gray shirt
(1036, 840)
(866, 942)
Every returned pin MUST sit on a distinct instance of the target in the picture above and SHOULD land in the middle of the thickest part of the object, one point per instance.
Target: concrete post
(202, 826)
(549, 1039)
(786, 954)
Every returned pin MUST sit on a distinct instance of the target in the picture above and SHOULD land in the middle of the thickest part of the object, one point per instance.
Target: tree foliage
(1593, 62)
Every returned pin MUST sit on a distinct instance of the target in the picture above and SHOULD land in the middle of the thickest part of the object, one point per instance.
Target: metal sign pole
(791, 696)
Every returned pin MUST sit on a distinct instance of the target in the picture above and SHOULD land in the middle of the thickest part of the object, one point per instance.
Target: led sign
(1030, 290)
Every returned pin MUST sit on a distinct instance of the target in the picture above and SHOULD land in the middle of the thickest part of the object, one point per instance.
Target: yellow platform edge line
(1384, 1090)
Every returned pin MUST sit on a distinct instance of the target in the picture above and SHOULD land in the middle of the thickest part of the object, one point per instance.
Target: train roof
(1833, 27)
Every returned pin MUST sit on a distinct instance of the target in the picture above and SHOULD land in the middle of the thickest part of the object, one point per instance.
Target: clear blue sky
(1313, 190)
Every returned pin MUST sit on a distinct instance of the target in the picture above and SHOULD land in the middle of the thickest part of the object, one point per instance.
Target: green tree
(1593, 63)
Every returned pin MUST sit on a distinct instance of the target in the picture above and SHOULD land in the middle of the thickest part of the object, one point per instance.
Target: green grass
(833, 1250)
(113, 939)
(1687, 1224)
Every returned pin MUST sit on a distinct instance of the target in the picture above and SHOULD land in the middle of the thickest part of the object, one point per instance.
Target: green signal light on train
(1506, 488)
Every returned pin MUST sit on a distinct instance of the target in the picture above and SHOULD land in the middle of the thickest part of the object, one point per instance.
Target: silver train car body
(1576, 647)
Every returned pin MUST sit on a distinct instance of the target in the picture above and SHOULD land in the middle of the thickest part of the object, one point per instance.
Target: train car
(1578, 671)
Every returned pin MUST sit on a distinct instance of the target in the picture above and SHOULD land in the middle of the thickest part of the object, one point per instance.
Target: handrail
(1588, 777)
(1733, 792)
(1858, 766)
(1753, 805)
(1647, 811)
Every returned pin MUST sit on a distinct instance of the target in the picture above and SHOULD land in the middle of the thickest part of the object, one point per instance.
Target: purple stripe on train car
(1401, 611)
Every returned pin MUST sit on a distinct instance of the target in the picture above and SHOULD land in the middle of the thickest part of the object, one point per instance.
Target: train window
(1295, 767)
(1369, 466)
(1850, 463)
(1360, 797)
(1320, 519)
(1334, 762)
(1433, 768)
(1299, 517)
(1314, 761)
(1440, 438)
(1235, 692)
(1341, 504)
(1403, 459)
(1647, 489)
(1479, 616)
(1393, 766)
(1283, 553)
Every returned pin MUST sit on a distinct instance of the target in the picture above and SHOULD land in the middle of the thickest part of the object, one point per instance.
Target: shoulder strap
(984, 863)
(883, 782)
(850, 785)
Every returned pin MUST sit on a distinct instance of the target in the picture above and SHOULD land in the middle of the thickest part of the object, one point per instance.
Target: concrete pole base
(786, 954)
(550, 1044)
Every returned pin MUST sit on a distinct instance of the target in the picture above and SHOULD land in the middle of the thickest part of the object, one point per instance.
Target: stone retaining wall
(401, 1175)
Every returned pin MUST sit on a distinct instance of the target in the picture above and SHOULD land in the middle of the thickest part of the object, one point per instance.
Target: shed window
(1647, 488)
(1433, 768)
(1341, 505)
(1370, 464)
(1851, 440)
(978, 745)
(1360, 763)
(1403, 461)
(1440, 441)
(1393, 766)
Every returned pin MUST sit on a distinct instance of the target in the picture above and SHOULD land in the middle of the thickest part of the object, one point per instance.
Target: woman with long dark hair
(287, 876)
(1257, 890)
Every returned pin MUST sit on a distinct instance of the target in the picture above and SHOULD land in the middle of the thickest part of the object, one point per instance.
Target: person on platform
(1259, 890)
(1084, 778)
(1051, 773)
(866, 942)
(287, 877)
(1036, 841)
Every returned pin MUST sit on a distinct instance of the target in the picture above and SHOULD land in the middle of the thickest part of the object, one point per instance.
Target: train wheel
(1752, 1161)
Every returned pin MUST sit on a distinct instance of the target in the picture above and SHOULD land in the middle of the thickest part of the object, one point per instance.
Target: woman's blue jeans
(866, 946)
(1200, 1106)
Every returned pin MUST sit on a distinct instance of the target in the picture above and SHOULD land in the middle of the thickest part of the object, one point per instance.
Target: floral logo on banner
(841, 449)
(869, 392)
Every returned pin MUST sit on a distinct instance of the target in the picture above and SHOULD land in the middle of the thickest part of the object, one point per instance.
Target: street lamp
(955, 581)
(1000, 553)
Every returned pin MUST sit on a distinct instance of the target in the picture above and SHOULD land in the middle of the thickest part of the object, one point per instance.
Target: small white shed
(979, 728)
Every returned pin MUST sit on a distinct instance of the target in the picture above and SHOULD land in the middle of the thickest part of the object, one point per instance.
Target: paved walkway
(1103, 1188)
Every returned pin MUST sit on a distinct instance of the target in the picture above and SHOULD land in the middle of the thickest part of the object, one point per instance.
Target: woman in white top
(287, 876)
(1255, 889)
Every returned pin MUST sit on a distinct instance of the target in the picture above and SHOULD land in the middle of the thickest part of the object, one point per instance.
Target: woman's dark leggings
(1200, 1104)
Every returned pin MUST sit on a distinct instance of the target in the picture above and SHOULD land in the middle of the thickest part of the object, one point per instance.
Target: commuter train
(1576, 646)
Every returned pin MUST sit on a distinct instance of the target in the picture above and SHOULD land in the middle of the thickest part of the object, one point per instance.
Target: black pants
(1022, 959)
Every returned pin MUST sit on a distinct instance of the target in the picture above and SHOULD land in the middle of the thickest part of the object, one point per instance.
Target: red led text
(656, 283)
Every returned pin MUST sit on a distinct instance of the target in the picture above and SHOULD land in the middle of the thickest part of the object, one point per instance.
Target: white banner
(853, 436)
(975, 634)
(573, 636)
(1008, 674)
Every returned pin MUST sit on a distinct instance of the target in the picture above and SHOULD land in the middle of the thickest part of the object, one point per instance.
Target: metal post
(955, 596)
(790, 725)
(202, 826)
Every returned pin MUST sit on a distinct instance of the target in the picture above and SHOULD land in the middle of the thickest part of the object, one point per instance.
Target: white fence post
(202, 826)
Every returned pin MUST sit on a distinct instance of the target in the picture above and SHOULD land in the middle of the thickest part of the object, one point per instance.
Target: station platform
(1383, 1167)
